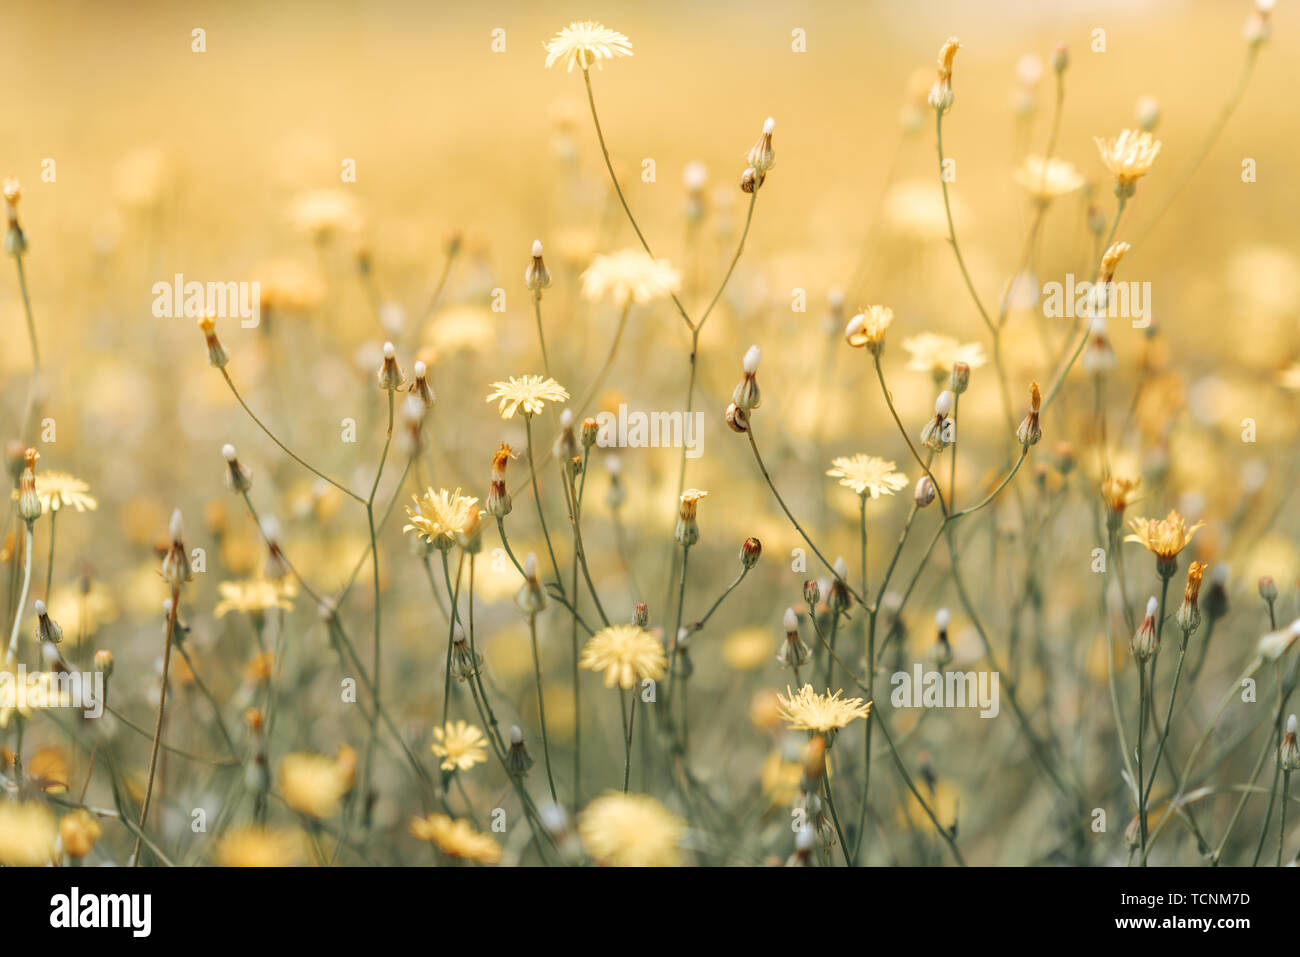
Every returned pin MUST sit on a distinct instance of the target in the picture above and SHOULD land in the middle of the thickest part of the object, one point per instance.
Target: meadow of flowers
(522, 449)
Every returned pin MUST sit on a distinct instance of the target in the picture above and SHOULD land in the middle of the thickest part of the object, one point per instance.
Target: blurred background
(225, 165)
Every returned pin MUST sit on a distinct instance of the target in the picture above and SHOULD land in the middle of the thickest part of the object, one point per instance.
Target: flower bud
(750, 551)
(217, 355)
(746, 395)
(390, 375)
(238, 478)
(29, 503)
(536, 276)
(812, 592)
(1143, 644)
(640, 614)
(176, 569)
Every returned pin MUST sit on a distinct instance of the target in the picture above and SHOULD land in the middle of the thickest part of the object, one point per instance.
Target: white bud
(841, 568)
(1265, 6)
(530, 566)
(1152, 605)
(271, 528)
(942, 619)
(228, 452)
(421, 370)
(694, 177)
(855, 325)
(943, 404)
(1295, 626)
(40, 607)
(790, 620)
(803, 839)
(769, 125)
(517, 734)
(389, 351)
(751, 360)
(167, 607)
(553, 817)
(537, 249)
(613, 464)
(566, 419)
(1290, 724)
(177, 526)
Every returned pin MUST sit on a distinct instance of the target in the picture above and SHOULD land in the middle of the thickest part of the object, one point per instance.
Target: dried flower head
(624, 653)
(460, 745)
(584, 44)
(868, 475)
(630, 275)
(529, 392)
(631, 830)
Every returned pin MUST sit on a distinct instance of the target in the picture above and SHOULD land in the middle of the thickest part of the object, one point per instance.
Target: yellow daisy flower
(27, 834)
(624, 653)
(456, 838)
(806, 710)
(259, 847)
(532, 392)
(57, 489)
(1164, 538)
(582, 44)
(631, 830)
(460, 745)
(867, 475)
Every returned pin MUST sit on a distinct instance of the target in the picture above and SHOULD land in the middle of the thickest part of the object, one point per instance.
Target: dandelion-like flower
(868, 475)
(1164, 538)
(584, 44)
(443, 518)
(631, 830)
(1047, 179)
(1128, 157)
(456, 838)
(624, 653)
(313, 784)
(529, 392)
(460, 745)
(253, 846)
(27, 834)
(58, 489)
(630, 275)
(936, 354)
(255, 596)
(806, 710)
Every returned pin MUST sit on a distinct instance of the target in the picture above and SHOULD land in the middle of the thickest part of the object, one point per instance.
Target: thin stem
(541, 704)
(22, 595)
(158, 727)
(49, 565)
(1281, 831)
(541, 337)
(537, 498)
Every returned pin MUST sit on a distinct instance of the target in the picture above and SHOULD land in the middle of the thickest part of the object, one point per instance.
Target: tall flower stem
(22, 595)
(541, 704)
(1141, 735)
(1281, 832)
(537, 498)
(158, 726)
(541, 337)
(49, 564)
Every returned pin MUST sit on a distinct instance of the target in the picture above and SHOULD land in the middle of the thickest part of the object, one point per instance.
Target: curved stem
(158, 727)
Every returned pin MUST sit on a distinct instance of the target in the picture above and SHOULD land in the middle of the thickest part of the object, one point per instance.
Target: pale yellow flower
(57, 489)
(460, 745)
(868, 327)
(631, 830)
(936, 354)
(252, 846)
(255, 596)
(443, 518)
(1047, 180)
(624, 653)
(82, 612)
(748, 648)
(456, 838)
(630, 275)
(1129, 156)
(78, 832)
(586, 43)
(867, 475)
(313, 784)
(806, 710)
(27, 834)
(531, 392)
(324, 213)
